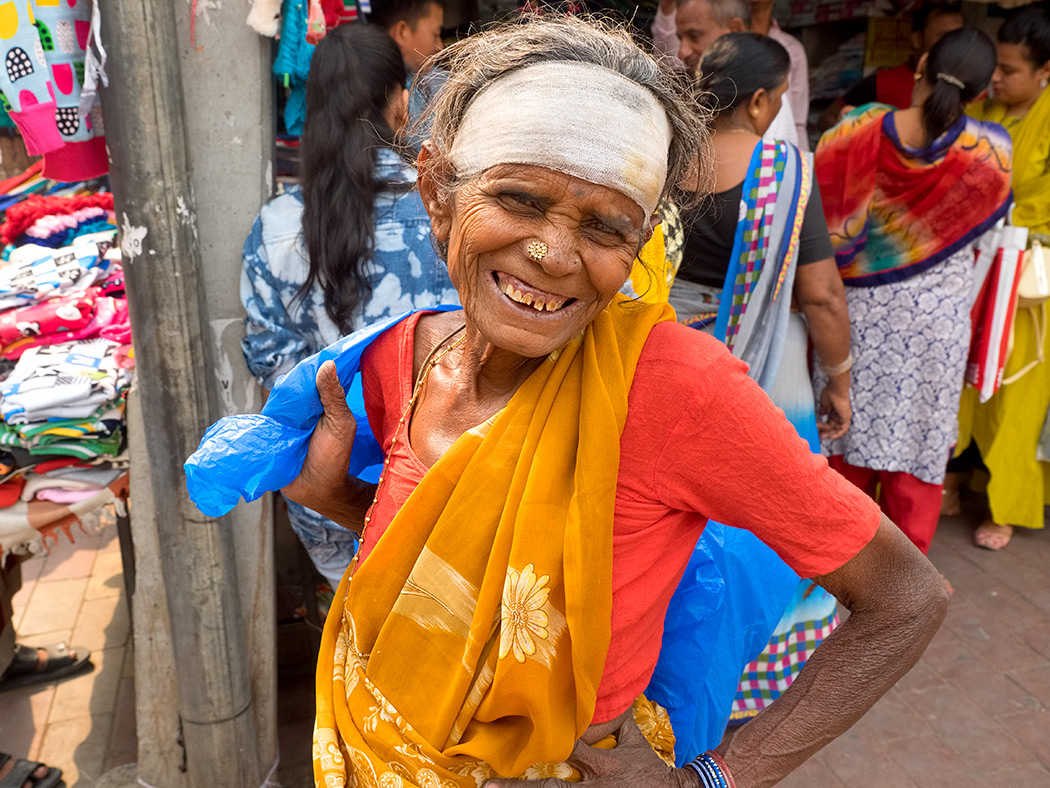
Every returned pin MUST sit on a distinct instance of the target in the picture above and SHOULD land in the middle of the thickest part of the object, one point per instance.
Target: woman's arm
(822, 299)
(324, 484)
(897, 601)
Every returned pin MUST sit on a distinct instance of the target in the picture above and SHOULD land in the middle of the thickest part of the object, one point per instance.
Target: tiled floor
(85, 724)
(973, 712)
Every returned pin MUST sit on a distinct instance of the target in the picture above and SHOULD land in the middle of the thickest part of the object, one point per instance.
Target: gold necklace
(428, 365)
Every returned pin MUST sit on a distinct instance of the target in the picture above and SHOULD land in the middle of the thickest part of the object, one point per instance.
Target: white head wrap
(578, 118)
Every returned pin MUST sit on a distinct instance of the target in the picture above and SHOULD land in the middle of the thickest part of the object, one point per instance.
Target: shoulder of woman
(283, 215)
(995, 133)
(680, 356)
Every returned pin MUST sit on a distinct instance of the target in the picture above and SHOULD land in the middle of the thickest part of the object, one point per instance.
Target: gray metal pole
(146, 135)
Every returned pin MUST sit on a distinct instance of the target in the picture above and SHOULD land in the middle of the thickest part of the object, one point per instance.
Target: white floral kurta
(910, 342)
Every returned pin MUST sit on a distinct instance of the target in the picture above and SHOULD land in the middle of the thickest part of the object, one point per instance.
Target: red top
(701, 440)
(894, 86)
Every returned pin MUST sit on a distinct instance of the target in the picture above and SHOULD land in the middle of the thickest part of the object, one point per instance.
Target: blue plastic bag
(731, 598)
(247, 455)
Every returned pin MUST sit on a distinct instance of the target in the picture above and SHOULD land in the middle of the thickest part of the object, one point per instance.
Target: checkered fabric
(772, 672)
(757, 221)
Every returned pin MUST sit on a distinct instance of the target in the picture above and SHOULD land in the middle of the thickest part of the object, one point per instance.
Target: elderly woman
(551, 454)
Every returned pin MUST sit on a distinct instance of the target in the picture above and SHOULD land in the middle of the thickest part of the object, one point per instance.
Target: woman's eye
(519, 202)
(605, 231)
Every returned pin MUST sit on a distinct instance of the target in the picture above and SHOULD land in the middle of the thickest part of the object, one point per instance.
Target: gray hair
(725, 11)
(475, 62)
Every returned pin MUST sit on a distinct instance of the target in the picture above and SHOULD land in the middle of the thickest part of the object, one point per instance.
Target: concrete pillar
(190, 133)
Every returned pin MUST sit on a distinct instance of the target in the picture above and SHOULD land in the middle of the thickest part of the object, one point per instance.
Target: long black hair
(1029, 27)
(355, 73)
(964, 56)
(736, 66)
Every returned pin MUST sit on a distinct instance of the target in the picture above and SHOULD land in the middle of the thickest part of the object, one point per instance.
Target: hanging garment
(44, 49)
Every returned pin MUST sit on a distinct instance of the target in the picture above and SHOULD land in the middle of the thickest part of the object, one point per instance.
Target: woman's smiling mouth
(523, 293)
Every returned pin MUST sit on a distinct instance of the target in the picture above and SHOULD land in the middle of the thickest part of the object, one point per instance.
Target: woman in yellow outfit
(1006, 429)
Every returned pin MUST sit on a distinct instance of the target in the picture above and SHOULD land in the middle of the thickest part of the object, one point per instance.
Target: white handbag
(1033, 291)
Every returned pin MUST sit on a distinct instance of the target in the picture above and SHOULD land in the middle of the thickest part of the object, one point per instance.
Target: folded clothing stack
(71, 380)
(66, 364)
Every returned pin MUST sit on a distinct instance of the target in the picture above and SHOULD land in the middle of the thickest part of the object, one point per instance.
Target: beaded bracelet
(712, 770)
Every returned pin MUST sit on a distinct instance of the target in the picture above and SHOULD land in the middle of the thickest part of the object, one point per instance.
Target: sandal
(992, 536)
(27, 669)
(22, 773)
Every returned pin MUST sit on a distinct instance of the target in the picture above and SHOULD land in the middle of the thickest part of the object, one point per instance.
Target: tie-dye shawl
(895, 211)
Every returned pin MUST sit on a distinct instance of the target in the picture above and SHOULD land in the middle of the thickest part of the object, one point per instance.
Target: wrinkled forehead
(577, 118)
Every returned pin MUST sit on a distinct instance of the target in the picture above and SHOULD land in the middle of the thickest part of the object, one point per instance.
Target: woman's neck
(734, 123)
(484, 370)
(910, 129)
(1020, 109)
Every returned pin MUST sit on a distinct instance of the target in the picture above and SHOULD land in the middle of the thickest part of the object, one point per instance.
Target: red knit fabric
(21, 216)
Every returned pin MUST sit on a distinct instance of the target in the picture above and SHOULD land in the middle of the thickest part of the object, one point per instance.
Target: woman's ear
(431, 171)
(1043, 72)
(758, 102)
(920, 67)
(396, 113)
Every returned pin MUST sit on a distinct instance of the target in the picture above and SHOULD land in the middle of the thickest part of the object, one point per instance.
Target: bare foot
(992, 536)
(9, 764)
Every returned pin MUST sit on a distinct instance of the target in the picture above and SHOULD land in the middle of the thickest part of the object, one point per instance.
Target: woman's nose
(557, 252)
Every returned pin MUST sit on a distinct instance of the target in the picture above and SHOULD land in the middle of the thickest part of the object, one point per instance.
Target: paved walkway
(972, 713)
(86, 724)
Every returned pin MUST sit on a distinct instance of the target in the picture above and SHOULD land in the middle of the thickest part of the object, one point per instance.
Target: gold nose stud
(538, 250)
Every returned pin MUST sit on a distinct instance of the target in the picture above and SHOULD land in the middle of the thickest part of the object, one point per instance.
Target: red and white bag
(997, 272)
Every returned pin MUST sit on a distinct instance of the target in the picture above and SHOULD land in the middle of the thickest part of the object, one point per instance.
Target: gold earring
(537, 251)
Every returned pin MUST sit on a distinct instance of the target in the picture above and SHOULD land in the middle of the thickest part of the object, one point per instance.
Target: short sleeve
(814, 244)
(731, 455)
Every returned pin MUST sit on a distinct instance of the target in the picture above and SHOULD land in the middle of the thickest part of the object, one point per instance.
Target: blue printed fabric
(404, 273)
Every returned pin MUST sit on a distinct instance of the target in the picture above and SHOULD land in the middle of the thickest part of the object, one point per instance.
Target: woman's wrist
(711, 771)
(841, 368)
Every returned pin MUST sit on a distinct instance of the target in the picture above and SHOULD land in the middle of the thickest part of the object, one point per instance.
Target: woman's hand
(631, 764)
(324, 484)
(835, 411)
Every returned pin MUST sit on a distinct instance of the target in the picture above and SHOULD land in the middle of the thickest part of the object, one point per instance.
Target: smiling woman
(547, 472)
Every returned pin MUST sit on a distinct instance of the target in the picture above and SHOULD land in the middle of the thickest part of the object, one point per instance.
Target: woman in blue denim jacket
(350, 247)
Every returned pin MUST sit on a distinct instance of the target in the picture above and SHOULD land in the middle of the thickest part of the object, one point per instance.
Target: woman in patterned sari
(539, 498)
(907, 193)
(759, 274)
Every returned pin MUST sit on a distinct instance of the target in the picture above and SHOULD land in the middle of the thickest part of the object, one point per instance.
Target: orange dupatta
(472, 641)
